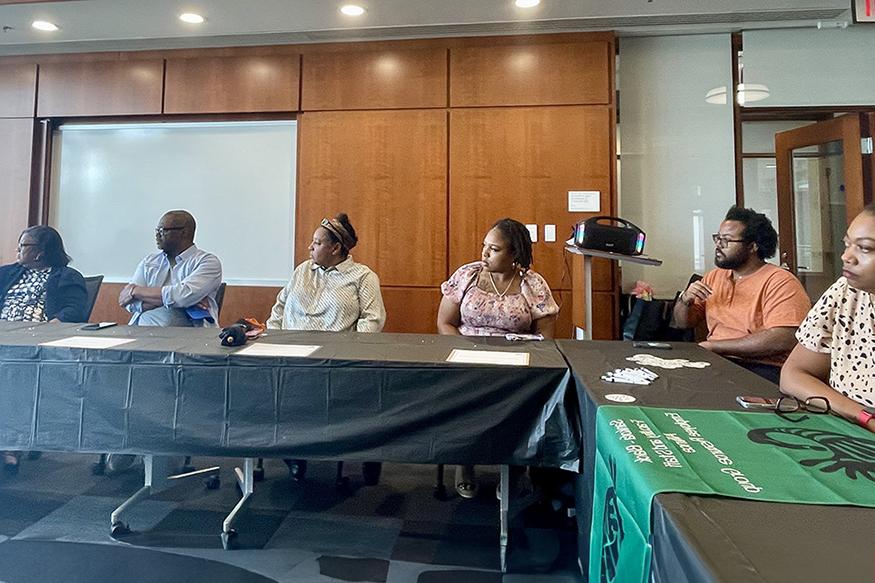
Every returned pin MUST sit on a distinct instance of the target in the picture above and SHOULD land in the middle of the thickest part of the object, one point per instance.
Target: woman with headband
(331, 292)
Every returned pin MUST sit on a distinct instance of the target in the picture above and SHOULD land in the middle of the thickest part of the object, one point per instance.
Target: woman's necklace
(504, 293)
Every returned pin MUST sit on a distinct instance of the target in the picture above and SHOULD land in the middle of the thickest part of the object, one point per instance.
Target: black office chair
(92, 288)
(220, 298)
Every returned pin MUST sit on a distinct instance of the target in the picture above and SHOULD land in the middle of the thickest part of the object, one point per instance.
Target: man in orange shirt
(752, 308)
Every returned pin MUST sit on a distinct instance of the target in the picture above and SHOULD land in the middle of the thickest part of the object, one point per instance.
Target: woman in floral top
(834, 357)
(495, 296)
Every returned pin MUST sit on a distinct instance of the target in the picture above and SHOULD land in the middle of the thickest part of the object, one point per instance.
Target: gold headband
(338, 230)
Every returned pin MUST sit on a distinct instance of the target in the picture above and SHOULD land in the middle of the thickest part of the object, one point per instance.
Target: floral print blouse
(26, 299)
(488, 314)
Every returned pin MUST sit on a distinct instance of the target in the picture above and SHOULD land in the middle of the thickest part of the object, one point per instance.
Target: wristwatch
(864, 416)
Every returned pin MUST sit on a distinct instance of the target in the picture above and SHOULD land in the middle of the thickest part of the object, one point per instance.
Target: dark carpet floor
(54, 527)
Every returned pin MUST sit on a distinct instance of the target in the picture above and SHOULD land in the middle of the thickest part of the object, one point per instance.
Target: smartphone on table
(98, 326)
(757, 402)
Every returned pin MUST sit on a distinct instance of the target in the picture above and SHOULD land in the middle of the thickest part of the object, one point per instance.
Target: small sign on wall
(584, 201)
(864, 10)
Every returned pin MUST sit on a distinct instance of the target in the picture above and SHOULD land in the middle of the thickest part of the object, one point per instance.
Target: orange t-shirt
(771, 297)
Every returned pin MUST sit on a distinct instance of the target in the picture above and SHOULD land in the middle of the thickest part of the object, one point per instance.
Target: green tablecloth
(644, 451)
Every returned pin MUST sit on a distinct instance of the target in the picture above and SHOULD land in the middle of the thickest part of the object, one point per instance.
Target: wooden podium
(588, 255)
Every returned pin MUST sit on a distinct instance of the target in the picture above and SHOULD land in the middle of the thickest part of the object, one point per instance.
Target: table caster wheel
(119, 529)
(212, 483)
(258, 474)
(229, 540)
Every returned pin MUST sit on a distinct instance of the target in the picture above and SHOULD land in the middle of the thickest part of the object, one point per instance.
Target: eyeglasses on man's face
(815, 405)
(724, 241)
(21, 246)
(161, 231)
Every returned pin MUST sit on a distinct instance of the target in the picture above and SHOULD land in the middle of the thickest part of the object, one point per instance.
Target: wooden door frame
(847, 129)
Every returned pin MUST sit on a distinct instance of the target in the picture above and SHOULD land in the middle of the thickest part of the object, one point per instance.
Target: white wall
(112, 183)
(677, 171)
(812, 67)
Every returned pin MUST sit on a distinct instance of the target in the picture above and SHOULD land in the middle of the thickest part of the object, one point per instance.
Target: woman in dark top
(39, 287)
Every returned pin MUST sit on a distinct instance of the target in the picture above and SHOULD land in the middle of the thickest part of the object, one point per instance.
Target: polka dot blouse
(842, 324)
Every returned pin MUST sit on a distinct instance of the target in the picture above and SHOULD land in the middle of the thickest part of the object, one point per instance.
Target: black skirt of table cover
(381, 397)
(714, 387)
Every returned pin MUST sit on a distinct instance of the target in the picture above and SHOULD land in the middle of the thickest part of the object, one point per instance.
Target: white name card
(489, 357)
(88, 342)
(284, 350)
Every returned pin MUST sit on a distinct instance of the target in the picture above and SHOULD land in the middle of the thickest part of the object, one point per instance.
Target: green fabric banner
(642, 451)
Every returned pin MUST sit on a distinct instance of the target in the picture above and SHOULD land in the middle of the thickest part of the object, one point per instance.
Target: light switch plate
(549, 233)
(533, 232)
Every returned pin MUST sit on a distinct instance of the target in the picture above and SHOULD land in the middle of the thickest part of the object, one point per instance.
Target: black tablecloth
(387, 397)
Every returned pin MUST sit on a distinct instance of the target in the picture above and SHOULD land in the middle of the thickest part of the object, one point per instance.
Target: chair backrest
(92, 287)
(220, 297)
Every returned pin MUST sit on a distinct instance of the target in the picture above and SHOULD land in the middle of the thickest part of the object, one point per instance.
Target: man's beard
(726, 262)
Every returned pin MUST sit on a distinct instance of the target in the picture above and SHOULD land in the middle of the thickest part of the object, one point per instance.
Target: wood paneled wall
(537, 74)
(388, 171)
(232, 84)
(424, 143)
(16, 143)
(384, 79)
(102, 88)
(520, 162)
(17, 90)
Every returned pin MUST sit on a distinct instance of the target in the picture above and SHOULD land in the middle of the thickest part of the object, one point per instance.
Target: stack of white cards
(631, 376)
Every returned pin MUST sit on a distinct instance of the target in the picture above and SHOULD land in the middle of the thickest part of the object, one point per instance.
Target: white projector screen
(112, 182)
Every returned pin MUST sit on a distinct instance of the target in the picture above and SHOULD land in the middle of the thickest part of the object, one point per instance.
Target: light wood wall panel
(531, 74)
(388, 171)
(386, 79)
(16, 143)
(128, 87)
(411, 309)
(17, 90)
(521, 163)
(232, 84)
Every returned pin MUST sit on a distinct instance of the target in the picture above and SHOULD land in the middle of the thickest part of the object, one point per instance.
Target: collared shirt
(195, 276)
(340, 298)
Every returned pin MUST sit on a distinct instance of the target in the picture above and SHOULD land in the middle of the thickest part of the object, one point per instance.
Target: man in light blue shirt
(173, 287)
(177, 285)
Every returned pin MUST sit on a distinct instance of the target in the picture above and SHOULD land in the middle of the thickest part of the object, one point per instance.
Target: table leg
(587, 275)
(503, 504)
(245, 480)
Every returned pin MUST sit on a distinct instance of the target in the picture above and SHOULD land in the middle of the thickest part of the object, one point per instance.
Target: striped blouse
(340, 298)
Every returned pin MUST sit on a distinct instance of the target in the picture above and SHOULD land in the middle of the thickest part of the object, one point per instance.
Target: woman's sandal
(467, 490)
(10, 463)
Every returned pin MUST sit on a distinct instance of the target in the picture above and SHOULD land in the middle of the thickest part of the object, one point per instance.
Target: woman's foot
(10, 463)
(466, 482)
(297, 469)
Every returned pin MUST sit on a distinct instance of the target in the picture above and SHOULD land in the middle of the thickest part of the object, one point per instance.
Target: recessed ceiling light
(191, 18)
(352, 10)
(44, 25)
(527, 3)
